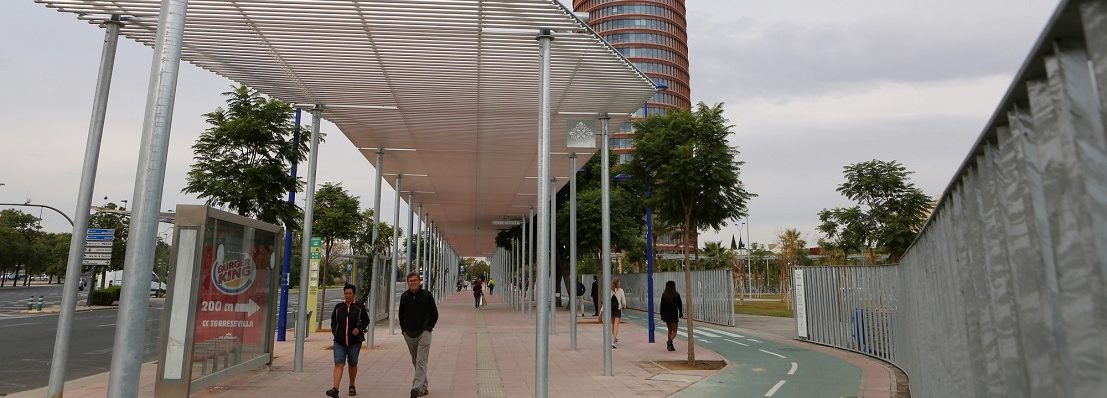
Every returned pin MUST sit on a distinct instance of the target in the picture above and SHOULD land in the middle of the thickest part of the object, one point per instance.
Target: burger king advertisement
(236, 275)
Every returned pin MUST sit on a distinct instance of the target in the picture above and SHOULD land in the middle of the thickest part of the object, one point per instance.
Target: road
(14, 299)
(29, 346)
(760, 367)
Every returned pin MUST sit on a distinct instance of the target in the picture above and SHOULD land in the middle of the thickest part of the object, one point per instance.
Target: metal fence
(1004, 293)
(713, 292)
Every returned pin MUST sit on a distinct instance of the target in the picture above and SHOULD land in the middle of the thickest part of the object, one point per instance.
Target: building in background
(653, 35)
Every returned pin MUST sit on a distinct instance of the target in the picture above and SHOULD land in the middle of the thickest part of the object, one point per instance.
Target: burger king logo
(234, 277)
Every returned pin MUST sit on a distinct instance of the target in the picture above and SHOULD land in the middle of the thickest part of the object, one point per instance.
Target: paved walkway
(485, 353)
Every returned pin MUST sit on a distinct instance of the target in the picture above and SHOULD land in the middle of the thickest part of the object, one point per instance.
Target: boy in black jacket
(348, 322)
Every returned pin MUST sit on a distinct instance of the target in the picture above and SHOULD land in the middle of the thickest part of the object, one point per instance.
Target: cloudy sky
(810, 86)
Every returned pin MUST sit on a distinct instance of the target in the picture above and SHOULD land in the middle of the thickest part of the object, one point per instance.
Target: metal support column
(573, 251)
(392, 305)
(84, 205)
(551, 279)
(134, 299)
(374, 283)
(286, 261)
(605, 249)
(305, 240)
(410, 233)
(542, 337)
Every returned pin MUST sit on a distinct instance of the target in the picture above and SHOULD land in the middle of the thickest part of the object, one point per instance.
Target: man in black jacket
(418, 315)
(348, 322)
(596, 295)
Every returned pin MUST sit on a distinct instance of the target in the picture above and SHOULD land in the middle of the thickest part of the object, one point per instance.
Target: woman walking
(672, 309)
(618, 302)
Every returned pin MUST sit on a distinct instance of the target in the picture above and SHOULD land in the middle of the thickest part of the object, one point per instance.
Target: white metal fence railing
(1004, 293)
(713, 290)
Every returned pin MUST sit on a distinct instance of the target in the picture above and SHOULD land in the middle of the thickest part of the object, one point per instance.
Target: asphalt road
(29, 346)
(14, 299)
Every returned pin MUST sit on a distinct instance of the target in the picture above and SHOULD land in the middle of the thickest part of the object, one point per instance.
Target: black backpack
(580, 288)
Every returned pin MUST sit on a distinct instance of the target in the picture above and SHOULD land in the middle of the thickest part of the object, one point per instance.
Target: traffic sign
(101, 231)
(100, 238)
(98, 243)
(98, 256)
(96, 262)
(97, 249)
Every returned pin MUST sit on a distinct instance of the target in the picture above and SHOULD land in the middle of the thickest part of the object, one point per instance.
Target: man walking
(348, 321)
(477, 292)
(596, 294)
(418, 315)
(491, 286)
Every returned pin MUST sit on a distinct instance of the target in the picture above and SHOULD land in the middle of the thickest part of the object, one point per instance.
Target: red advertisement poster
(233, 289)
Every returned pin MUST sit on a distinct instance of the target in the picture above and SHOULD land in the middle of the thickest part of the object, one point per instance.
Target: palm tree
(792, 252)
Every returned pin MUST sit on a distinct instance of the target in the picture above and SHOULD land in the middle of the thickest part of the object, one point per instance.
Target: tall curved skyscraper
(653, 35)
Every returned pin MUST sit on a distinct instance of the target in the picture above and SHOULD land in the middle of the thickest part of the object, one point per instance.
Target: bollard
(39, 303)
(31, 303)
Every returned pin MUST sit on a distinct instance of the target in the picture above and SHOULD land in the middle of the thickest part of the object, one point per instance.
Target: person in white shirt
(618, 302)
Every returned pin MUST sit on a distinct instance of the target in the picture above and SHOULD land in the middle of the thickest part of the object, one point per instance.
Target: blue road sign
(100, 237)
(101, 231)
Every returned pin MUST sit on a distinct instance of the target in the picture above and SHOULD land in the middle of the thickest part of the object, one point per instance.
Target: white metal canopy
(455, 80)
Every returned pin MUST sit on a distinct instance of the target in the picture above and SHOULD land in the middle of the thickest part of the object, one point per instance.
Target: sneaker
(613, 345)
(333, 392)
(670, 346)
(414, 393)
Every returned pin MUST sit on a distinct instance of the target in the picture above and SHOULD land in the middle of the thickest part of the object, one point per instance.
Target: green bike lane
(760, 367)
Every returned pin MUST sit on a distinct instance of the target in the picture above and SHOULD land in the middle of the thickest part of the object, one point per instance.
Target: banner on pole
(582, 133)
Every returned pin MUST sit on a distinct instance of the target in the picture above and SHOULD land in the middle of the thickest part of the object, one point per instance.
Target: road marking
(700, 331)
(773, 390)
(771, 353)
(735, 342)
(105, 325)
(724, 333)
(755, 340)
(792, 371)
(702, 340)
(17, 324)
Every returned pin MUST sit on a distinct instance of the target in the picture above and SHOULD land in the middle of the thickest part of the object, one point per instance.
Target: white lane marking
(16, 324)
(702, 340)
(700, 331)
(682, 333)
(105, 325)
(771, 353)
(792, 371)
(755, 340)
(724, 333)
(773, 390)
(735, 342)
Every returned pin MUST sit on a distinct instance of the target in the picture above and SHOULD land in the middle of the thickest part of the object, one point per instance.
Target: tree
(363, 244)
(21, 246)
(475, 268)
(335, 218)
(793, 251)
(242, 161)
(716, 256)
(684, 160)
(889, 214)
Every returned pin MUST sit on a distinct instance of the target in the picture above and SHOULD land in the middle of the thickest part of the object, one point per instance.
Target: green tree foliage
(475, 268)
(25, 250)
(242, 161)
(362, 244)
(336, 217)
(716, 256)
(684, 161)
(889, 213)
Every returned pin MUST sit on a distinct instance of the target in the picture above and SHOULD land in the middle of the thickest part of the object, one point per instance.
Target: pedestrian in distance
(618, 302)
(478, 293)
(672, 309)
(348, 322)
(596, 295)
(491, 286)
(418, 316)
(580, 296)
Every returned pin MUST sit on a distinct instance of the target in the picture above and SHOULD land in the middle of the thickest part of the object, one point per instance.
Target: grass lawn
(766, 308)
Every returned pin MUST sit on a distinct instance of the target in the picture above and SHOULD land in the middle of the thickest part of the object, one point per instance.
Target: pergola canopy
(454, 83)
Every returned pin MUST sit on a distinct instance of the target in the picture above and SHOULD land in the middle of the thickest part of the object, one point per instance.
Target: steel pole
(305, 240)
(84, 206)
(605, 249)
(749, 268)
(286, 261)
(134, 300)
(573, 251)
(551, 279)
(417, 267)
(542, 335)
(374, 283)
(410, 233)
(395, 261)
(649, 269)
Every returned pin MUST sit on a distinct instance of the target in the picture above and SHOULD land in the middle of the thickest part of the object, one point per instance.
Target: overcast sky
(810, 86)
